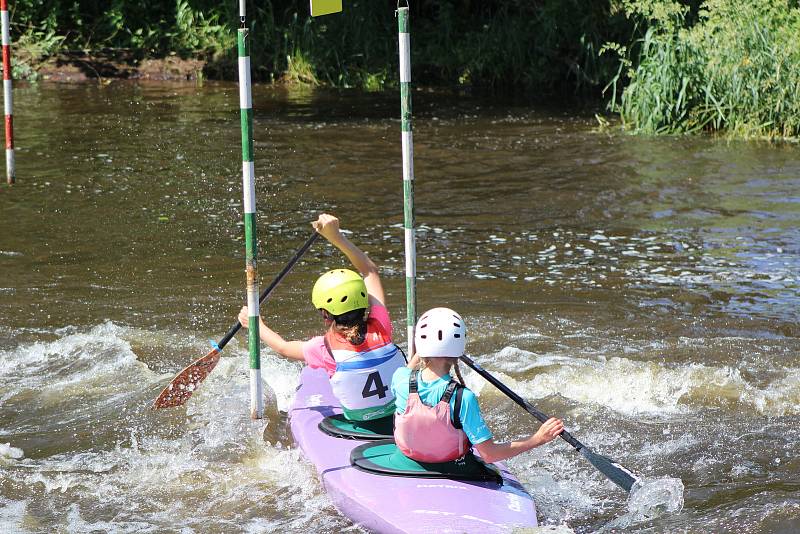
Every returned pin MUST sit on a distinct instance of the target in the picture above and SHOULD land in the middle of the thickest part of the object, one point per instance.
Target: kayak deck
(389, 504)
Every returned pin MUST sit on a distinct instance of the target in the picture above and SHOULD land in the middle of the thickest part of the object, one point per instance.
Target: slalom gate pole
(408, 174)
(249, 192)
(7, 98)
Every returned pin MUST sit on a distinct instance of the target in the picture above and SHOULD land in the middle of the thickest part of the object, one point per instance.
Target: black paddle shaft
(566, 436)
(264, 294)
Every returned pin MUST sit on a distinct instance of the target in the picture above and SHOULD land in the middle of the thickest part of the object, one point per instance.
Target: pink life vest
(426, 433)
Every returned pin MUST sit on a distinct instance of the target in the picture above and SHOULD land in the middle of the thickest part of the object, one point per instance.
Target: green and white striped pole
(408, 174)
(249, 189)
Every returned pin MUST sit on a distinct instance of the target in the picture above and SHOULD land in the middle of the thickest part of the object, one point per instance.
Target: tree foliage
(545, 47)
(668, 66)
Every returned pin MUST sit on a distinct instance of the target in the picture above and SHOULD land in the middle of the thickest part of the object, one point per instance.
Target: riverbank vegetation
(665, 66)
(728, 66)
(543, 47)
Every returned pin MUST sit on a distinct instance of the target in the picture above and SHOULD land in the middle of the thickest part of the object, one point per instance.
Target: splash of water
(650, 499)
(139, 469)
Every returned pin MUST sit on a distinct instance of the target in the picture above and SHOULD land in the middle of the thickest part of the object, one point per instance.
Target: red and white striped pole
(7, 101)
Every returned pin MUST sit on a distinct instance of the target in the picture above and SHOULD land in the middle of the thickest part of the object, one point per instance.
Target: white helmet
(440, 333)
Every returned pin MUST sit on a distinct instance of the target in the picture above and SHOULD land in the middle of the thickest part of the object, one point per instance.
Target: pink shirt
(317, 356)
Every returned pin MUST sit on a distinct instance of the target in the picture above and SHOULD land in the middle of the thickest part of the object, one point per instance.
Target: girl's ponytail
(351, 325)
(355, 335)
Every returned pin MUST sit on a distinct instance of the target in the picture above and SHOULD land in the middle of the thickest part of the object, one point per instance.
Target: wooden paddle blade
(615, 472)
(183, 385)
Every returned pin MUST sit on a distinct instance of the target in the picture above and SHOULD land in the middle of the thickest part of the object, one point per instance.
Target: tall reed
(736, 70)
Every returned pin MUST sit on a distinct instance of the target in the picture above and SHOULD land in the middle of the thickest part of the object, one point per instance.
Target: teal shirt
(431, 392)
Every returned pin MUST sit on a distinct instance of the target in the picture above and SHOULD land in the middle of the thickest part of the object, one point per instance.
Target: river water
(645, 290)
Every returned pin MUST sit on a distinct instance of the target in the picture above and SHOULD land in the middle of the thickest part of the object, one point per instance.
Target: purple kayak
(389, 504)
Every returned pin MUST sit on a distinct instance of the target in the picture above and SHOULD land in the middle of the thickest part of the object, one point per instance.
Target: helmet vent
(329, 300)
(344, 298)
(456, 335)
(440, 335)
(423, 336)
(457, 325)
(423, 325)
(362, 294)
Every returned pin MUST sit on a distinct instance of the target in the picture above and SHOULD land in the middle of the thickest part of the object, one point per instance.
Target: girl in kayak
(357, 349)
(437, 419)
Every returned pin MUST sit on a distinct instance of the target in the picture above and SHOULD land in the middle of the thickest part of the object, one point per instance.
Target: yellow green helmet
(340, 291)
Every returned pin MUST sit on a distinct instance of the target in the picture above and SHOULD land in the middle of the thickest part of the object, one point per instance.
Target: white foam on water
(301, 498)
(9, 453)
(565, 500)
(568, 490)
(93, 363)
(215, 477)
(75, 523)
(545, 529)
(203, 469)
(514, 360)
(645, 387)
(84, 384)
(564, 486)
(12, 516)
(782, 397)
(667, 447)
(738, 471)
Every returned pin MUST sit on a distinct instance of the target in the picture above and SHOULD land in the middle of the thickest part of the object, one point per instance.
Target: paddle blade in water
(183, 385)
(618, 474)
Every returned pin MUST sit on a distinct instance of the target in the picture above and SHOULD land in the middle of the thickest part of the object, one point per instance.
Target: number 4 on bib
(374, 386)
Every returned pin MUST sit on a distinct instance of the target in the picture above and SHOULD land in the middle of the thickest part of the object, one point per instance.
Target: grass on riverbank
(736, 70)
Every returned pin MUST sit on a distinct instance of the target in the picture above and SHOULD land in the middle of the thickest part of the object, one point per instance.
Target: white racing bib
(363, 375)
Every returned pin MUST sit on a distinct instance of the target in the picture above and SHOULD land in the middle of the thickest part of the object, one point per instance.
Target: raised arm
(328, 226)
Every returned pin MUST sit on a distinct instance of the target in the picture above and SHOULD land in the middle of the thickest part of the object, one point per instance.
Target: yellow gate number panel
(325, 7)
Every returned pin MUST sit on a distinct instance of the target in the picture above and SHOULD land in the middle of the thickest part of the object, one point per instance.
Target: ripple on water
(620, 267)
